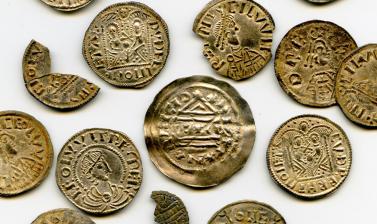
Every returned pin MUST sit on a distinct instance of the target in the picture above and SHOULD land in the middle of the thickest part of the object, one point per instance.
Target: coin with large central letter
(26, 153)
(127, 44)
(199, 131)
(99, 170)
(309, 156)
(62, 216)
(237, 37)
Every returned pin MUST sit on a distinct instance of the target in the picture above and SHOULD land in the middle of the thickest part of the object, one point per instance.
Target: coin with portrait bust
(62, 216)
(26, 153)
(199, 131)
(308, 58)
(237, 37)
(99, 170)
(247, 212)
(67, 5)
(170, 208)
(309, 156)
(127, 44)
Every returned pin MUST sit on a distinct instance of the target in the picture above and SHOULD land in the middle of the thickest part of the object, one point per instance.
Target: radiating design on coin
(25, 153)
(63, 92)
(170, 209)
(127, 44)
(307, 61)
(247, 212)
(237, 37)
(356, 86)
(309, 156)
(199, 131)
(67, 5)
(62, 216)
(99, 170)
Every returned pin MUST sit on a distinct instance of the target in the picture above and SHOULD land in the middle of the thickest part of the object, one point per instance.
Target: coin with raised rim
(308, 58)
(62, 216)
(127, 44)
(237, 37)
(309, 156)
(26, 153)
(99, 170)
(67, 5)
(356, 86)
(170, 208)
(199, 131)
(247, 212)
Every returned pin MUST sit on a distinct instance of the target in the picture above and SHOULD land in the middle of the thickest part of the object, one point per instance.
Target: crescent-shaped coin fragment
(62, 216)
(59, 91)
(67, 5)
(170, 209)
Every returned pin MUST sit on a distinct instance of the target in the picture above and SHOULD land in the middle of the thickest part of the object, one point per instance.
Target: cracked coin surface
(99, 170)
(62, 216)
(67, 5)
(308, 59)
(309, 156)
(356, 86)
(26, 153)
(237, 37)
(247, 212)
(170, 208)
(127, 45)
(199, 131)
(58, 91)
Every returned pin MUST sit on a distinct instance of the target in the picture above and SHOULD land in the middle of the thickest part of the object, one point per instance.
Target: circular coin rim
(67, 9)
(282, 185)
(49, 153)
(338, 97)
(247, 202)
(176, 173)
(116, 83)
(58, 211)
(287, 90)
(57, 173)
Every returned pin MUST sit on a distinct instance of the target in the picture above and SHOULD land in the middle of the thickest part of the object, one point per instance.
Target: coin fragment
(25, 153)
(67, 5)
(62, 216)
(199, 131)
(170, 208)
(59, 91)
(237, 37)
(99, 170)
(309, 156)
(127, 45)
(356, 86)
(247, 212)
(307, 61)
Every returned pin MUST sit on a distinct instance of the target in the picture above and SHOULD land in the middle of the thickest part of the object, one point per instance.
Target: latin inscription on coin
(170, 209)
(237, 36)
(99, 170)
(62, 216)
(127, 44)
(307, 61)
(25, 153)
(356, 86)
(59, 91)
(247, 212)
(309, 156)
(67, 5)
(199, 131)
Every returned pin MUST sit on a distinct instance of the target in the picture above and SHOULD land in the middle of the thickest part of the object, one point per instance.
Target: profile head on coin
(237, 37)
(247, 212)
(356, 86)
(67, 5)
(309, 156)
(307, 61)
(199, 131)
(62, 216)
(99, 170)
(26, 153)
(127, 45)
